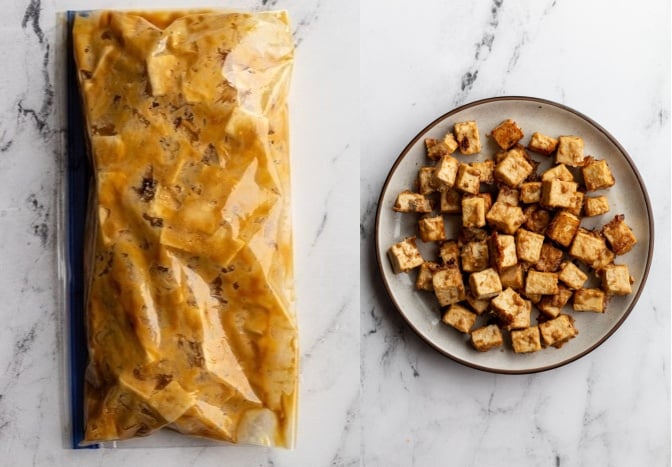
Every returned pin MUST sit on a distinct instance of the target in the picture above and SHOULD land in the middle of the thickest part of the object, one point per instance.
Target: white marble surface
(325, 147)
(606, 59)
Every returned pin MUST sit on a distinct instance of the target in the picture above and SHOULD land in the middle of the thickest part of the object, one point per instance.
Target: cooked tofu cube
(507, 134)
(557, 331)
(616, 279)
(619, 235)
(528, 245)
(445, 172)
(551, 305)
(425, 273)
(589, 300)
(449, 253)
(479, 306)
(558, 172)
(450, 142)
(436, 148)
(513, 169)
(475, 256)
(557, 194)
(563, 227)
(596, 175)
(570, 151)
(604, 259)
(572, 275)
(460, 318)
(405, 255)
(486, 338)
(486, 169)
(485, 284)
(468, 179)
(576, 204)
(407, 201)
(511, 309)
(541, 283)
(550, 258)
(542, 144)
(432, 229)
(537, 218)
(505, 218)
(526, 340)
(509, 196)
(530, 192)
(587, 246)
(513, 277)
(595, 206)
(448, 285)
(425, 180)
(503, 248)
(473, 211)
(467, 136)
(450, 201)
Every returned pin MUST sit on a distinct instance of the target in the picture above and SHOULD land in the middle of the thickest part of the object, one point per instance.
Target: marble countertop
(605, 59)
(34, 421)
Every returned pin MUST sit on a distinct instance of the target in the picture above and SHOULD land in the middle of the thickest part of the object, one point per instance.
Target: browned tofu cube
(528, 245)
(425, 273)
(563, 227)
(596, 175)
(445, 172)
(511, 309)
(486, 169)
(407, 201)
(542, 144)
(576, 204)
(551, 305)
(507, 134)
(509, 196)
(616, 279)
(505, 218)
(619, 235)
(503, 249)
(450, 142)
(479, 306)
(537, 218)
(526, 340)
(570, 151)
(485, 284)
(473, 211)
(513, 169)
(475, 256)
(513, 277)
(450, 201)
(468, 179)
(557, 194)
(558, 172)
(595, 206)
(432, 229)
(448, 285)
(486, 338)
(589, 300)
(572, 275)
(587, 246)
(449, 252)
(541, 283)
(530, 192)
(460, 318)
(405, 255)
(550, 258)
(467, 136)
(557, 331)
(436, 148)
(425, 180)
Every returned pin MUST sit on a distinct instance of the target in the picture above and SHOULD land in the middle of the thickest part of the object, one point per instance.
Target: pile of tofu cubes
(520, 244)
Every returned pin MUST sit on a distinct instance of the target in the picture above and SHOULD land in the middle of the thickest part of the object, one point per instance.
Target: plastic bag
(189, 297)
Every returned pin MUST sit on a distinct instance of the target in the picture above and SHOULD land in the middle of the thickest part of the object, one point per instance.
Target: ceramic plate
(628, 197)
